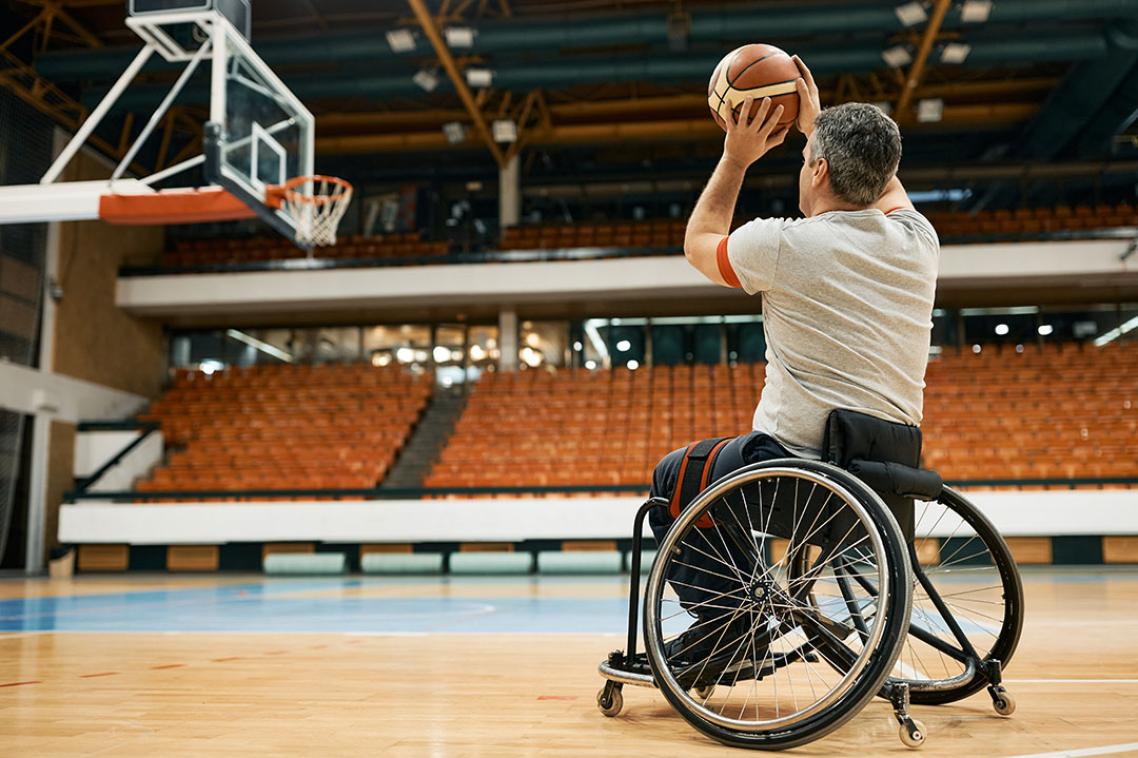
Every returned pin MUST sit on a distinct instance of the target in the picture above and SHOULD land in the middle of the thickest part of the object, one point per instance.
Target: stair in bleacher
(428, 440)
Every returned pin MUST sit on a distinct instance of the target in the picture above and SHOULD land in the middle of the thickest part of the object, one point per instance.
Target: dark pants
(700, 583)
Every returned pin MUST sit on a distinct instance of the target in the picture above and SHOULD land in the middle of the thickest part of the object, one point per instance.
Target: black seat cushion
(886, 456)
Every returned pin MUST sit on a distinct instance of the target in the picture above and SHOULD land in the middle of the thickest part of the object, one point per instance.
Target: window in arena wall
(407, 345)
(543, 343)
(448, 353)
(482, 350)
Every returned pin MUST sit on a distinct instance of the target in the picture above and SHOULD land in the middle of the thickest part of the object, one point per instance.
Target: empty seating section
(1063, 412)
(257, 249)
(659, 233)
(669, 233)
(1054, 413)
(285, 427)
(590, 428)
(1033, 221)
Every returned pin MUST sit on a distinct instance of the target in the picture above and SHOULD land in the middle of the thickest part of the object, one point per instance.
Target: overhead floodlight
(975, 11)
(261, 345)
(955, 52)
(454, 131)
(897, 56)
(930, 110)
(911, 14)
(479, 77)
(505, 130)
(1117, 332)
(459, 36)
(401, 40)
(427, 79)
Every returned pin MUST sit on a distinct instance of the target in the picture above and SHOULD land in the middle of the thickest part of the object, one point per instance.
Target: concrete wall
(95, 340)
(1028, 513)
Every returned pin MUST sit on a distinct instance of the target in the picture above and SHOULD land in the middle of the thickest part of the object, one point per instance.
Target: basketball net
(316, 205)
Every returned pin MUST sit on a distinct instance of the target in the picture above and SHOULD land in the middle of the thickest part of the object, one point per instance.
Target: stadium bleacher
(653, 234)
(214, 252)
(282, 427)
(1059, 412)
(664, 233)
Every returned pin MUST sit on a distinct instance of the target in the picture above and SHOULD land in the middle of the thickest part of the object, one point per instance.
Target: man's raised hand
(747, 142)
(809, 104)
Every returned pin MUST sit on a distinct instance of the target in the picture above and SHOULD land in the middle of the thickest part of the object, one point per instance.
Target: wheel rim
(971, 580)
(787, 610)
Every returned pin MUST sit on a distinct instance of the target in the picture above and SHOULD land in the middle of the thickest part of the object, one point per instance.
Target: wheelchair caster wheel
(1003, 702)
(610, 700)
(912, 733)
(703, 693)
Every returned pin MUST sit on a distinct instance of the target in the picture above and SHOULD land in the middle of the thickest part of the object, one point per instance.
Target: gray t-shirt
(847, 311)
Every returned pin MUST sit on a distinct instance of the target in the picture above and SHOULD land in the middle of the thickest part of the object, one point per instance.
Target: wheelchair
(809, 597)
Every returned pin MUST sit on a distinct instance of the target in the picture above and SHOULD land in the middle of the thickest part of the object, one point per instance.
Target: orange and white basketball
(756, 70)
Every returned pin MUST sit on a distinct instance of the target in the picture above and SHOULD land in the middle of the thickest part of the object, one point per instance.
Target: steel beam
(447, 60)
(917, 70)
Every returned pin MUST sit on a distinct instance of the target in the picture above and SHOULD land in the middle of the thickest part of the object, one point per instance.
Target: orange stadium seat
(1052, 413)
(285, 427)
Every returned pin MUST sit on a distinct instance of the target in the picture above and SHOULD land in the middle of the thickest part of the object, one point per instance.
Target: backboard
(260, 133)
(258, 144)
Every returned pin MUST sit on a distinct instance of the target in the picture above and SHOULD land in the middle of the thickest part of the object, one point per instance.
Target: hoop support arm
(97, 115)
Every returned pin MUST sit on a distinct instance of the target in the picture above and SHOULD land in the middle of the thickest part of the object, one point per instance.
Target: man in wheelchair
(847, 296)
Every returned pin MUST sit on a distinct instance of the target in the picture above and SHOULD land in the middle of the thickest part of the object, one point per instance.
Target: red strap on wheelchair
(695, 470)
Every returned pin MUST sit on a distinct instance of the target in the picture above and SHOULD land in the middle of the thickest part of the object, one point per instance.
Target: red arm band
(724, 264)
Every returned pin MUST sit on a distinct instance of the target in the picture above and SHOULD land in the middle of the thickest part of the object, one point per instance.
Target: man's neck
(827, 205)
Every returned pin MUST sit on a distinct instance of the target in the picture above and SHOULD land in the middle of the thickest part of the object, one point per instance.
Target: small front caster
(703, 693)
(912, 733)
(1002, 700)
(610, 699)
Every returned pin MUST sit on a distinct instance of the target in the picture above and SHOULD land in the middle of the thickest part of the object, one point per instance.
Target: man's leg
(700, 574)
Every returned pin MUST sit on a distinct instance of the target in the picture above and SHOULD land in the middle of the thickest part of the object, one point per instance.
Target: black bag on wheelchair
(886, 456)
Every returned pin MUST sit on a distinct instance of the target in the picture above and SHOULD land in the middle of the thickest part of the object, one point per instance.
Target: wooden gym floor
(470, 667)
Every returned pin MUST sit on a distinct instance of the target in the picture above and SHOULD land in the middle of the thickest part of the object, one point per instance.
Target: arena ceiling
(600, 90)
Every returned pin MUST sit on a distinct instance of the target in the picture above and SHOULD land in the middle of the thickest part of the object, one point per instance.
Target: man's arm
(809, 106)
(710, 222)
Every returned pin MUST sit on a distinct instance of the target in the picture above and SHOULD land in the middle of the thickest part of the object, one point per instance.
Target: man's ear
(821, 172)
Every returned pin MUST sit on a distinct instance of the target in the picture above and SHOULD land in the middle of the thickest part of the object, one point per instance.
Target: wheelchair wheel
(756, 628)
(966, 565)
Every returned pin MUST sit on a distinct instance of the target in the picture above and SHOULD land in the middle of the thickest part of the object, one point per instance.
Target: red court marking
(167, 666)
(556, 697)
(17, 684)
(230, 658)
(103, 673)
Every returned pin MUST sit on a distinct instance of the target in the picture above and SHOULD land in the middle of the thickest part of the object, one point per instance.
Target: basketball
(756, 70)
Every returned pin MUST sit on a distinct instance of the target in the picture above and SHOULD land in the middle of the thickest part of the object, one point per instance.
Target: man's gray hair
(863, 148)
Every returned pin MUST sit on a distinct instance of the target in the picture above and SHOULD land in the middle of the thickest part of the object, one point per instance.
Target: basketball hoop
(316, 205)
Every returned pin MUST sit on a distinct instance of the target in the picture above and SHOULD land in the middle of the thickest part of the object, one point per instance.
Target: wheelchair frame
(618, 668)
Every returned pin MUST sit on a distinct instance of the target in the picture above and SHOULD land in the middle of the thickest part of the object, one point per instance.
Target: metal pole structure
(509, 194)
(97, 115)
(508, 339)
(162, 108)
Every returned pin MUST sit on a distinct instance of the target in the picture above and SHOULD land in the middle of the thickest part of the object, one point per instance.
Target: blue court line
(298, 606)
(275, 607)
